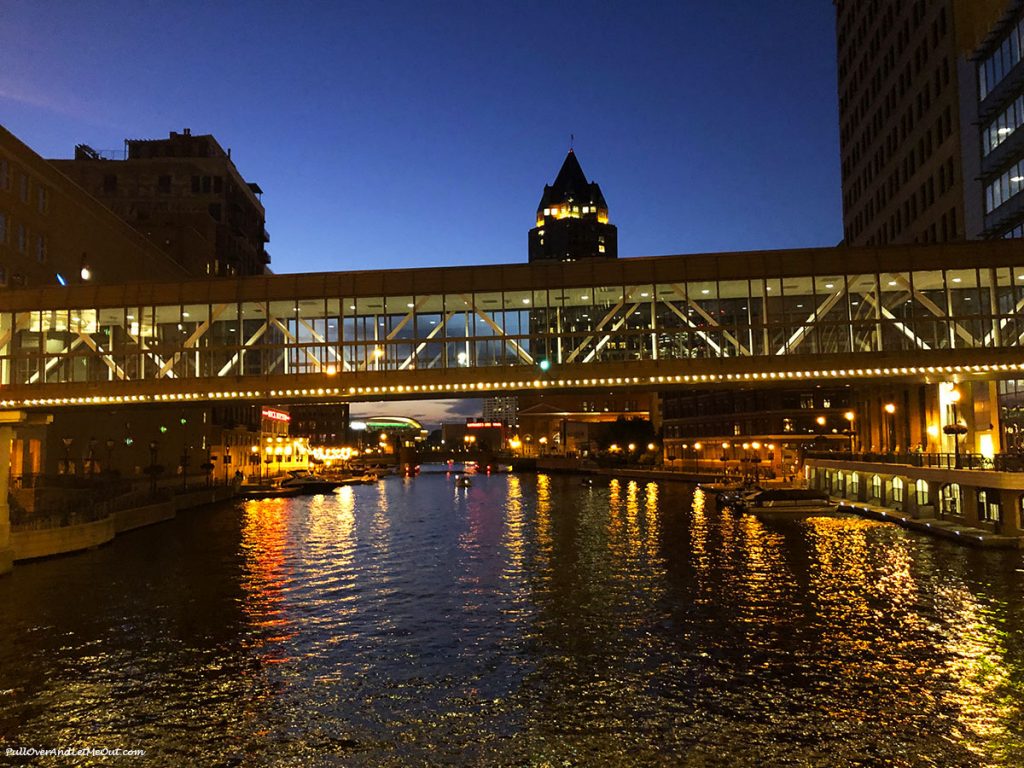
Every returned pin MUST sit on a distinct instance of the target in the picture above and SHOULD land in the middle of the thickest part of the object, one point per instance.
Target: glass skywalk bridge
(837, 313)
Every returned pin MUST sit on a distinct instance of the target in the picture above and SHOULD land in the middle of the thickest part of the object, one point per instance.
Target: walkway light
(821, 421)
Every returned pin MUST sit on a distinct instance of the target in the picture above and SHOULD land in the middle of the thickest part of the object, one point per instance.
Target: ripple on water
(523, 621)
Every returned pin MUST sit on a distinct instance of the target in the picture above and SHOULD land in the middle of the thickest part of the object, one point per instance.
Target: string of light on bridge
(470, 388)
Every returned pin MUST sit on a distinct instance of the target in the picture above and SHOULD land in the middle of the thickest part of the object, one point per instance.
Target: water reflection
(526, 620)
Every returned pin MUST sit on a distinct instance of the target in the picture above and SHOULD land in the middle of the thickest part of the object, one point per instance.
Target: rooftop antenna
(572, 140)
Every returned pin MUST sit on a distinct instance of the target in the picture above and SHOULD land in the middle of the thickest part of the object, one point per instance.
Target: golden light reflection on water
(544, 541)
(513, 538)
(981, 686)
(265, 539)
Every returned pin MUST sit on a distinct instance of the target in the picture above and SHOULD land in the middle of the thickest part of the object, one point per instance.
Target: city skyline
(381, 141)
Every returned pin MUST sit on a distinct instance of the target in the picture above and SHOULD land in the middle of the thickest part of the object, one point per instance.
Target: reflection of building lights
(890, 408)
(933, 430)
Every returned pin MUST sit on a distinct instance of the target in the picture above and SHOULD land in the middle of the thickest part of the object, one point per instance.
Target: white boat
(306, 482)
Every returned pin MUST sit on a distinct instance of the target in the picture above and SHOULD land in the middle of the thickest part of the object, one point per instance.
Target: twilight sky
(421, 134)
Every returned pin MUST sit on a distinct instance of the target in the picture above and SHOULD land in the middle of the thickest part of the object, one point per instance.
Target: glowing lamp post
(955, 429)
(849, 416)
(890, 411)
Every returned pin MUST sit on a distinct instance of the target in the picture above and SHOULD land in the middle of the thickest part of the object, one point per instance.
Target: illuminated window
(547, 211)
(600, 249)
(921, 489)
(586, 209)
(897, 490)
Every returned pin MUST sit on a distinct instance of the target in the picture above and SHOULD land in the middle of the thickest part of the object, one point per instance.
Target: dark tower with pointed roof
(572, 219)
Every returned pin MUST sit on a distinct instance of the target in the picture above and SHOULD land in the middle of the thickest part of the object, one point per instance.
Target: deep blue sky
(422, 133)
(411, 133)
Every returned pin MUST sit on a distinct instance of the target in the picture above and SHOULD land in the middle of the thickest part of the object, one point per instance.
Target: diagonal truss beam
(710, 320)
(934, 308)
(820, 311)
(420, 347)
(626, 299)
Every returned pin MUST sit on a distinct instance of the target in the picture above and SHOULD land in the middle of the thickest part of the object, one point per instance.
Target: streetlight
(956, 428)
(850, 416)
(696, 456)
(255, 459)
(890, 409)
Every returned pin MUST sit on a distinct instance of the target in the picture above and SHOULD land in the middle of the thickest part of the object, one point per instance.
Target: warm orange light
(821, 421)
(890, 408)
(697, 446)
(848, 415)
(954, 396)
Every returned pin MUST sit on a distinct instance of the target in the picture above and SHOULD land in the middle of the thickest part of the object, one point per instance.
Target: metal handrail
(1002, 462)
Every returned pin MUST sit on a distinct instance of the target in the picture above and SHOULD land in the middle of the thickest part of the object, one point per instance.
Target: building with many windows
(899, 121)
(185, 195)
(572, 219)
(52, 232)
(992, 82)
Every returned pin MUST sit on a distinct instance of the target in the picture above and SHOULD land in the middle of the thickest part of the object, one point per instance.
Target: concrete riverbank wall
(32, 543)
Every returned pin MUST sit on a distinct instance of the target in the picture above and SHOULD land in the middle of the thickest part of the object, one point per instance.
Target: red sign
(482, 424)
(270, 413)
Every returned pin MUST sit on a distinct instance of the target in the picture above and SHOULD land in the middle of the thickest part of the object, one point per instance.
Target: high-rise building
(992, 90)
(899, 121)
(504, 408)
(185, 194)
(929, 98)
(572, 219)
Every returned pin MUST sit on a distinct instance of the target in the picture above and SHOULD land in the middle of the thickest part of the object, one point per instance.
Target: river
(527, 620)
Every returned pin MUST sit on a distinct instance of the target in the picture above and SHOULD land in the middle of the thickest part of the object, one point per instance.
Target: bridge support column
(7, 421)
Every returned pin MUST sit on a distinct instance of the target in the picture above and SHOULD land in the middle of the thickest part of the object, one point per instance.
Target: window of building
(41, 248)
(21, 237)
(897, 490)
(3, 227)
(24, 188)
(1004, 187)
(998, 65)
(988, 506)
(921, 490)
(876, 487)
(1003, 127)
(5, 174)
(950, 500)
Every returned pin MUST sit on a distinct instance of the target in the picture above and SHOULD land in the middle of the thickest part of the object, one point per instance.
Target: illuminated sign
(482, 424)
(275, 415)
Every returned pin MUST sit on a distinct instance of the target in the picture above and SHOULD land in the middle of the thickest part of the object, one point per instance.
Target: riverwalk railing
(1001, 462)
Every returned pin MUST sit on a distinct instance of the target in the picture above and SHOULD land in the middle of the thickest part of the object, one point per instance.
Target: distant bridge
(838, 314)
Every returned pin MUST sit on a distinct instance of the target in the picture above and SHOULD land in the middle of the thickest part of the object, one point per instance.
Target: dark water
(523, 621)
